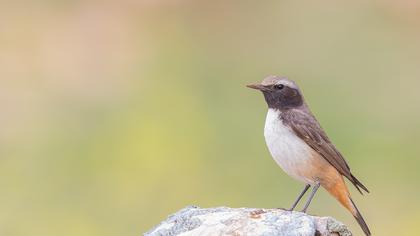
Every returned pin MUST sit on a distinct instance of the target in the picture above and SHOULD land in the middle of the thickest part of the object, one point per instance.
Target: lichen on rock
(193, 220)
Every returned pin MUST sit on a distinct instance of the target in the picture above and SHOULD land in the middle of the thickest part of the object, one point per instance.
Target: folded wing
(308, 129)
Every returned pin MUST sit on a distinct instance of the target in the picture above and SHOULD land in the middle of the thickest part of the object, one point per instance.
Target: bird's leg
(316, 186)
(300, 197)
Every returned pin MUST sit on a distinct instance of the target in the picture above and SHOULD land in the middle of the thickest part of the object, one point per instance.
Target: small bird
(301, 148)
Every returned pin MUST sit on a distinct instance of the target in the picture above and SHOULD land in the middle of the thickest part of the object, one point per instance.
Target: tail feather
(360, 220)
(341, 193)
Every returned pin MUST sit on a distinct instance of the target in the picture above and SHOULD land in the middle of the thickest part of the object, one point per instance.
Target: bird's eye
(279, 86)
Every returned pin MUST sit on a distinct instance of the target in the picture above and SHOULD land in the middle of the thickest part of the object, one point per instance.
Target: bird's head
(279, 92)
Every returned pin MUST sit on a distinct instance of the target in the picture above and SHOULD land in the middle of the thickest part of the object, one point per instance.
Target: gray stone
(193, 220)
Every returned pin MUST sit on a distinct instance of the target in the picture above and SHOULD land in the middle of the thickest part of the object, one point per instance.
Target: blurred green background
(115, 114)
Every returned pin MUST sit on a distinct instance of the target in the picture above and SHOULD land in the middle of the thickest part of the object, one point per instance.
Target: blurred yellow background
(115, 114)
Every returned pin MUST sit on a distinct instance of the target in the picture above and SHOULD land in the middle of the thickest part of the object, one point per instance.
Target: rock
(247, 221)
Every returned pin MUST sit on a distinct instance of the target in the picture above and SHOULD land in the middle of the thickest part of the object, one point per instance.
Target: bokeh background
(115, 114)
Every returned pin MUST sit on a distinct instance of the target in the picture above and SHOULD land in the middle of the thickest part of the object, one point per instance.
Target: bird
(300, 146)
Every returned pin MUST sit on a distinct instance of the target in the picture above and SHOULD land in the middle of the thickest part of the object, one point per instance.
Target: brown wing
(307, 128)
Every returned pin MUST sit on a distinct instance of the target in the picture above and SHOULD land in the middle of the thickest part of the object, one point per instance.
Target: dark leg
(300, 197)
(317, 184)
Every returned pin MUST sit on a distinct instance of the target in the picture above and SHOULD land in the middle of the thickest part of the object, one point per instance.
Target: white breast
(290, 152)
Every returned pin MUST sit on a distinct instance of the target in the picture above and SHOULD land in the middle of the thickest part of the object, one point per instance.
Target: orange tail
(360, 219)
(341, 193)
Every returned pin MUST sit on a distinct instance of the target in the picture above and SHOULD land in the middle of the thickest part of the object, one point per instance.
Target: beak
(257, 86)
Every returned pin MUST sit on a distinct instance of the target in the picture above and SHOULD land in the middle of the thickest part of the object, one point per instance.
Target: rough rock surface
(246, 221)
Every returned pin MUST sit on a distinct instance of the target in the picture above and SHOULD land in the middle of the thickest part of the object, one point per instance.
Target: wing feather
(307, 128)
